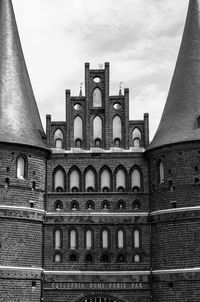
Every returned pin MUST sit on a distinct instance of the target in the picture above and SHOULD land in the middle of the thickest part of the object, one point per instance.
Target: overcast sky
(140, 39)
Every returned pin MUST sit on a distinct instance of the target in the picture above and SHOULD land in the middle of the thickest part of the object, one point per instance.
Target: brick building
(90, 211)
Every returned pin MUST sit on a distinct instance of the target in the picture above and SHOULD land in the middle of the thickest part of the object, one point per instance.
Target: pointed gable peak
(179, 121)
(19, 117)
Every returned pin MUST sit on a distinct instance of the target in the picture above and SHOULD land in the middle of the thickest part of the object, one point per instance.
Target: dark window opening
(73, 258)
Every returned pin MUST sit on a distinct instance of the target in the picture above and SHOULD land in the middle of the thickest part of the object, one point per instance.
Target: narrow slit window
(88, 239)
(136, 239)
(120, 237)
(21, 165)
(105, 239)
(73, 239)
(57, 239)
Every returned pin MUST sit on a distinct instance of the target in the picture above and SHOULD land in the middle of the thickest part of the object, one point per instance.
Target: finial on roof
(120, 88)
(19, 117)
(179, 122)
(81, 89)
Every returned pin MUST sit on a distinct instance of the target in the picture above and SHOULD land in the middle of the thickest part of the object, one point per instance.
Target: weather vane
(120, 88)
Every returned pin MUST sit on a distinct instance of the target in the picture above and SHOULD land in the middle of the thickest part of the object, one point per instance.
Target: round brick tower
(175, 177)
(22, 163)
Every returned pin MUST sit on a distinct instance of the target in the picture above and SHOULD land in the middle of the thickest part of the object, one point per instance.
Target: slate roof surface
(179, 121)
(19, 117)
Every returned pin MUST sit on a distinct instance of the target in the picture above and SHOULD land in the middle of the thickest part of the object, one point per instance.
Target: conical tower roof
(19, 117)
(180, 119)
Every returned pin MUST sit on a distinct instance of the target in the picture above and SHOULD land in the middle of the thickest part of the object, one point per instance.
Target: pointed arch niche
(97, 98)
(78, 130)
(117, 129)
(58, 138)
(97, 129)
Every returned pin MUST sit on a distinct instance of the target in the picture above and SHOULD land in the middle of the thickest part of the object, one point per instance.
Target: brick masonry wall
(182, 169)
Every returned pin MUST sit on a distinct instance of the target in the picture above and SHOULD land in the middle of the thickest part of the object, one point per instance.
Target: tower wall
(21, 219)
(174, 219)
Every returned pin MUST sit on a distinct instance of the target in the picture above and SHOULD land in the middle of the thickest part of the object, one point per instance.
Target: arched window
(73, 239)
(57, 258)
(74, 181)
(88, 239)
(105, 205)
(136, 137)
(97, 143)
(136, 238)
(105, 257)
(90, 180)
(59, 181)
(105, 180)
(97, 128)
(161, 172)
(58, 138)
(90, 205)
(58, 205)
(121, 205)
(136, 205)
(78, 128)
(120, 239)
(136, 180)
(136, 258)
(78, 143)
(74, 205)
(117, 127)
(57, 239)
(120, 179)
(97, 98)
(105, 239)
(21, 167)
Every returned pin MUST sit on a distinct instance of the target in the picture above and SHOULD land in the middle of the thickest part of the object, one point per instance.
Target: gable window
(78, 129)
(120, 180)
(136, 181)
(117, 128)
(136, 137)
(105, 180)
(58, 138)
(97, 129)
(59, 181)
(74, 181)
(90, 181)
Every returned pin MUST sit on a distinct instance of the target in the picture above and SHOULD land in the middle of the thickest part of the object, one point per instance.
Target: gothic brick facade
(91, 212)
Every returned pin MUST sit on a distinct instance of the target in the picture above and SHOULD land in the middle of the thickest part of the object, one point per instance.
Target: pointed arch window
(105, 180)
(97, 98)
(136, 137)
(97, 128)
(105, 239)
(136, 180)
(58, 206)
(136, 238)
(78, 129)
(90, 181)
(59, 181)
(21, 167)
(161, 172)
(74, 180)
(120, 180)
(73, 239)
(58, 138)
(88, 240)
(57, 239)
(117, 128)
(120, 239)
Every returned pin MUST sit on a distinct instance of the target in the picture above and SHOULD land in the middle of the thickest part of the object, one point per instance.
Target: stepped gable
(19, 117)
(180, 119)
